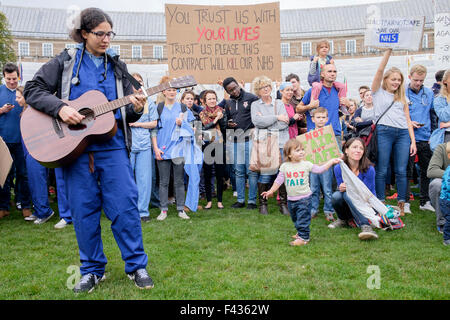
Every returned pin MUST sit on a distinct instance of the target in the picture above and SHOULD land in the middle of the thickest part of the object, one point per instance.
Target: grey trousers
(434, 193)
(164, 167)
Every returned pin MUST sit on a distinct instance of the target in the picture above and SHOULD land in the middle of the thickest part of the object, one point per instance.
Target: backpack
(160, 108)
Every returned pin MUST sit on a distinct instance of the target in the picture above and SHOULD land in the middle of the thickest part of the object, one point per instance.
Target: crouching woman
(356, 159)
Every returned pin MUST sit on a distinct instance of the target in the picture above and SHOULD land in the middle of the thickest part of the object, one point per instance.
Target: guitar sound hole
(86, 122)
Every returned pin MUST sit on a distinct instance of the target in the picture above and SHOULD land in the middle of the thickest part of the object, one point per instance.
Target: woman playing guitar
(101, 177)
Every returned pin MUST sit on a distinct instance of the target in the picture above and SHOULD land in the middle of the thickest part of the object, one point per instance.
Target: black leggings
(219, 169)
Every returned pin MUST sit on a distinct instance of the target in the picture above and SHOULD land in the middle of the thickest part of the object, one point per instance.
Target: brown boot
(401, 206)
(26, 212)
(263, 202)
(282, 203)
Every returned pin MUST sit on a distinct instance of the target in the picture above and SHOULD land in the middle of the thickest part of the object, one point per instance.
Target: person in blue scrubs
(101, 177)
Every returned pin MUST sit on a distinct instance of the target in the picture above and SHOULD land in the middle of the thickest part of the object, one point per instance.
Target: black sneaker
(87, 283)
(238, 205)
(145, 219)
(141, 279)
(252, 206)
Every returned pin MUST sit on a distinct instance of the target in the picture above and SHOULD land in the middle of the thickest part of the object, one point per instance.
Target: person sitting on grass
(294, 173)
(324, 180)
(444, 200)
(356, 159)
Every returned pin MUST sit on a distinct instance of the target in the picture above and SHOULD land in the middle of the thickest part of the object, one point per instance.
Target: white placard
(442, 40)
(395, 33)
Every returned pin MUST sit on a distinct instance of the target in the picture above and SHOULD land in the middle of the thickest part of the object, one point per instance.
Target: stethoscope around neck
(76, 80)
(423, 96)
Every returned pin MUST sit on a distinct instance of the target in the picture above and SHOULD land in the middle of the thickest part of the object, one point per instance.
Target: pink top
(317, 87)
(293, 129)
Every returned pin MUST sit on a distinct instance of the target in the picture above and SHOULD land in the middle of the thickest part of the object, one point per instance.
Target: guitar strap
(130, 78)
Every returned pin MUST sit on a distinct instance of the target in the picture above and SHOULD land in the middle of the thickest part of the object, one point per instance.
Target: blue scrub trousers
(61, 191)
(110, 187)
(37, 182)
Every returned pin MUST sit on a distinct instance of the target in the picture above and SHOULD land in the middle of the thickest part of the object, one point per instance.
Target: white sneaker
(427, 206)
(61, 224)
(183, 215)
(43, 220)
(407, 207)
(162, 216)
(30, 218)
(235, 194)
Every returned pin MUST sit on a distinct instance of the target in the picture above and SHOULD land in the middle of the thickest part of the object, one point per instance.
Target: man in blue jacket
(420, 105)
(10, 132)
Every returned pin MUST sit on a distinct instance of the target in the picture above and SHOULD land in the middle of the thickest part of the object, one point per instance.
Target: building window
(285, 49)
(425, 41)
(306, 48)
(158, 52)
(47, 49)
(350, 46)
(116, 49)
(136, 52)
(71, 45)
(24, 49)
(331, 47)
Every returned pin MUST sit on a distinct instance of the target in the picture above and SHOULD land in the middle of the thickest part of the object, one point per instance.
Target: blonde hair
(399, 94)
(260, 82)
(444, 90)
(322, 42)
(319, 110)
(419, 69)
(290, 145)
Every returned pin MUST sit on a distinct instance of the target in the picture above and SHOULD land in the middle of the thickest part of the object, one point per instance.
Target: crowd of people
(148, 164)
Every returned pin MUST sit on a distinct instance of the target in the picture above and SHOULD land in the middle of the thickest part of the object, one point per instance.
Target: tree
(7, 53)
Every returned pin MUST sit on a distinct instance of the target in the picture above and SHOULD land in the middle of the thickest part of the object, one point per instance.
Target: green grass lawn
(233, 254)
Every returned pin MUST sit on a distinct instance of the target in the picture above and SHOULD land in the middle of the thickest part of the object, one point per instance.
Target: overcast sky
(158, 5)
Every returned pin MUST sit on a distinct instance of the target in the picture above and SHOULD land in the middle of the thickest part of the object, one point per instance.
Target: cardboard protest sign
(395, 33)
(320, 145)
(212, 42)
(5, 162)
(442, 40)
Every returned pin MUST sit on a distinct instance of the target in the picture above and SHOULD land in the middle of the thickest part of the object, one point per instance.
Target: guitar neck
(116, 104)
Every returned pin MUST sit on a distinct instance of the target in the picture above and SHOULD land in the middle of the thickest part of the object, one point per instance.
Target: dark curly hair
(87, 20)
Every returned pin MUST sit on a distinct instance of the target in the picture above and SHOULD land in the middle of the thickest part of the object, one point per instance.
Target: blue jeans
(241, 158)
(300, 211)
(396, 141)
(325, 180)
(154, 197)
(445, 209)
(141, 165)
(345, 209)
(23, 195)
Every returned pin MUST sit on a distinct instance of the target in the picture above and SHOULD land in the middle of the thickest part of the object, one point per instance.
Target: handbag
(265, 154)
(371, 140)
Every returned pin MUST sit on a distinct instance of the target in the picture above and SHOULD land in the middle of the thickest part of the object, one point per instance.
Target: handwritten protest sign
(5, 162)
(320, 145)
(211, 42)
(395, 33)
(442, 40)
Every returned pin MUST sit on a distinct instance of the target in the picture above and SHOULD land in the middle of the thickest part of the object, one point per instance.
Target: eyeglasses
(102, 34)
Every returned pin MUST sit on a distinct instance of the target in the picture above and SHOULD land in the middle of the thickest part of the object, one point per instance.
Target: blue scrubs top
(167, 137)
(90, 75)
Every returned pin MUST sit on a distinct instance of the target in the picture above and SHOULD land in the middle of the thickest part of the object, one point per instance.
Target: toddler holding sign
(294, 173)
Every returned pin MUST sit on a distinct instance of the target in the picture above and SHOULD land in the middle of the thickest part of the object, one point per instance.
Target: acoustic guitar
(54, 143)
